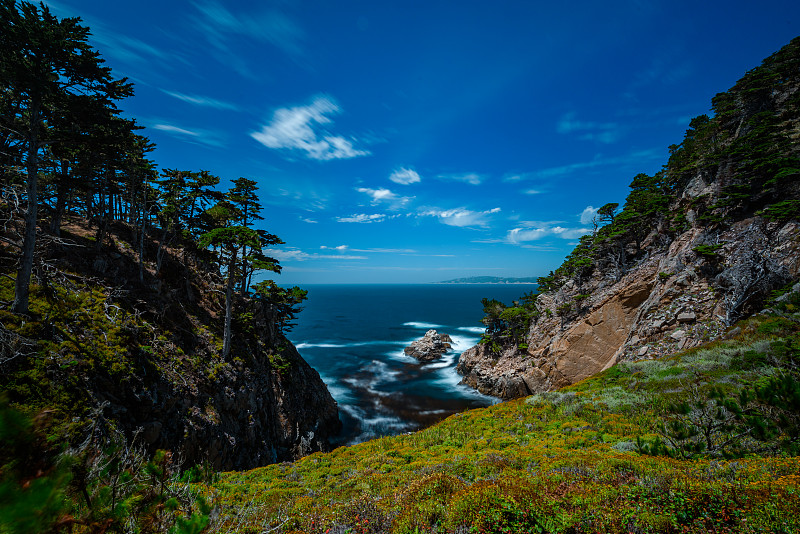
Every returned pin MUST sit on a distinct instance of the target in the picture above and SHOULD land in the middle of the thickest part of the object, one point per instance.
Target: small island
(430, 347)
(490, 280)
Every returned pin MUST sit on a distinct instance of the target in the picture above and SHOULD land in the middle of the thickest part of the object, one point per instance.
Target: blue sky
(420, 141)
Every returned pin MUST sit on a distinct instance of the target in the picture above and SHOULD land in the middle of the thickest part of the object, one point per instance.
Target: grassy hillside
(666, 445)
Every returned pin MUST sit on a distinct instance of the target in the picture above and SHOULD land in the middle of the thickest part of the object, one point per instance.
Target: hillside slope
(103, 352)
(695, 247)
(614, 453)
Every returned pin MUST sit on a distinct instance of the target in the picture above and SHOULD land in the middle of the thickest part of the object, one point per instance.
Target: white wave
(447, 360)
(433, 412)
(341, 394)
(472, 329)
(401, 356)
(426, 326)
(451, 380)
(462, 343)
(375, 425)
(378, 373)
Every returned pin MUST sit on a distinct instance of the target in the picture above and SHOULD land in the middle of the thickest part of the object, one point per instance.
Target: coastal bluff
(150, 369)
(697, 246)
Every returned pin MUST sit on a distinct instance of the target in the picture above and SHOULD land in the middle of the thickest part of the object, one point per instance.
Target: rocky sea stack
(430, 347)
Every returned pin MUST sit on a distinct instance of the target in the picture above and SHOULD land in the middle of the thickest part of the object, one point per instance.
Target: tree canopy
(66, 151)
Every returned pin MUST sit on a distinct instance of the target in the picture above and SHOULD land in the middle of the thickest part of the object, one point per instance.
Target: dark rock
(430, 347)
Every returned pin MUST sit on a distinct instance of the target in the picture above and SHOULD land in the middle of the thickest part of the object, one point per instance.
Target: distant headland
(490, 280)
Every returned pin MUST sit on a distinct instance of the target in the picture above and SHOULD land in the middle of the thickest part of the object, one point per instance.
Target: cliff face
(646, 313)
(696, 247)
(236, 415)
(105, 353)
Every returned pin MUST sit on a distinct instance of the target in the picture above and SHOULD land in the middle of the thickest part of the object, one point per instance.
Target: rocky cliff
(105, 353)
(695, 248)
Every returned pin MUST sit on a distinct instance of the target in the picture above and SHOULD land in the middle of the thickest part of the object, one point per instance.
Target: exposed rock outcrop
(241, 416)
(152, 365)
(702, 245)
(664, 304)
(430, 347)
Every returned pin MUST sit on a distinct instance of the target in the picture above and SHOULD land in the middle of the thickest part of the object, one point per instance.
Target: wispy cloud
(669, 67)
(460, 217)
(602, 132)
(532, 192)
(627, 160)
(203, 101)
(386, 196)
(365, 218)
(309, 221)
(405, 176)
(205, 137)
(128, 48)
(175, 129)
(112, 42)
(295, 254)
(218, 23)
(470, 178)
(298, 128)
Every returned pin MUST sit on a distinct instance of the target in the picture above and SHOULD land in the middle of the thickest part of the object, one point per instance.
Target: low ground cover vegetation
(701, 441)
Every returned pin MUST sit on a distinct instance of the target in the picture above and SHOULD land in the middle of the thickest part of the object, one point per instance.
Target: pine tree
(42, 60)
(234, 239)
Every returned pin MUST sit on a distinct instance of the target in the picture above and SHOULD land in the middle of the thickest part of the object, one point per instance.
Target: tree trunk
(143, 236)
(61, 202)
(22, 287)
(226, 345)
(243, 285)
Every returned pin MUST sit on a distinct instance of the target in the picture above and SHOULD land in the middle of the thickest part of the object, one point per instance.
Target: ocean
(354, 336)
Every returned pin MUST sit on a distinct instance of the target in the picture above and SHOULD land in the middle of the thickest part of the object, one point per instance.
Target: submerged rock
(430, 347)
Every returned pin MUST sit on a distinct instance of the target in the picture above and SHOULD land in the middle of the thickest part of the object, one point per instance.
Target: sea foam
(425, 326)
(472, 329)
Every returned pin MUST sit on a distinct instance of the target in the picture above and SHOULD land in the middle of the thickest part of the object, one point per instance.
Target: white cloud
(363, 218)
(378, 194)
(460, 217)
(202, 101)
(405, 176)
(340, 247)
(588, 214)
(309, 221)
(470, 178)
(295, 254)
(536, 231)
(298, 128)
(384, 195)
(532, 192)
